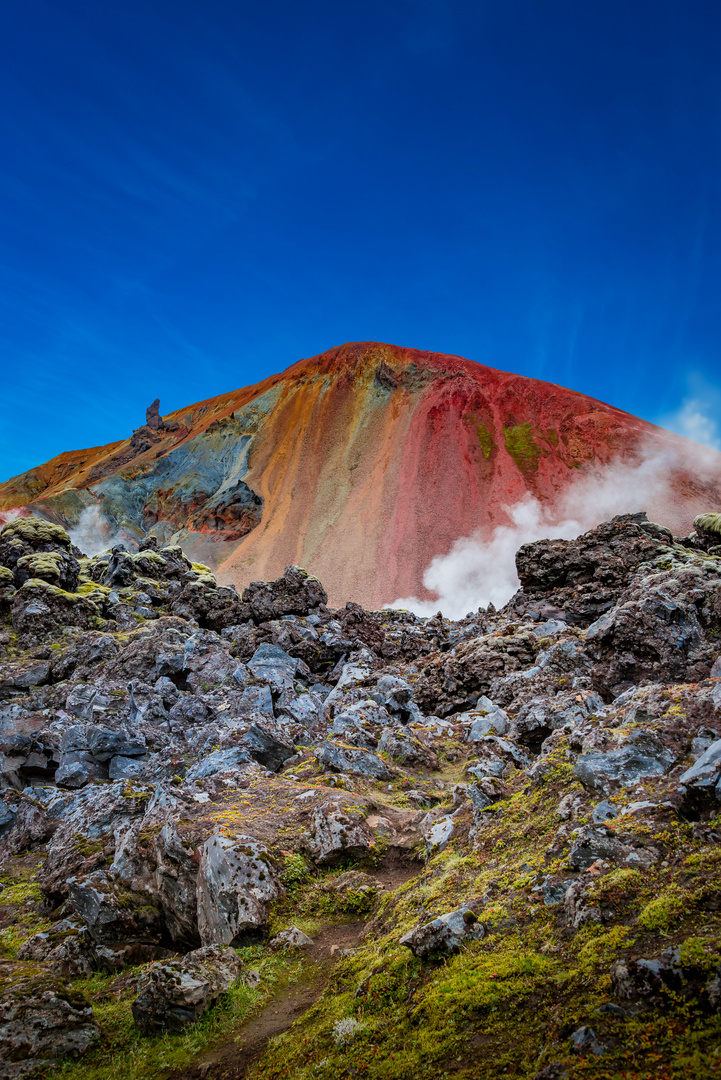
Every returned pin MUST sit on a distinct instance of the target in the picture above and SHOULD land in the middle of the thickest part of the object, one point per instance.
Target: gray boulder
(303, 709)
(704, 776)
(236, 883)
(296, 593)
(266, 748)
(77, 768)
(652, 636)
(643, 754)
(292, 938)
(603, 811)
(396, 695)
(270, 664)
(105, 743)
(187, 711)
(123, 768)
(541, 716)
(22, 675)
(79, 702)
(585, 1040)
(8, 817)
(255, 700)
(445, 935)
(41, 1020)
(592, 843)
(487, 718)
(174, 994)
(67, 947)
(339, 758)
(151, 859)
(113, 913)
(220, 761)
(335, 833)
(401, 746)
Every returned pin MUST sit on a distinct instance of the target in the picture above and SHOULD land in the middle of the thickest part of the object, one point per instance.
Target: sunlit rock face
(362, 465)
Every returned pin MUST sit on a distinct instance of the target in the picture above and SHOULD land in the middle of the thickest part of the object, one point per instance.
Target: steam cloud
(93, 533)
(10, 515)
(476, 572)
(695, 421)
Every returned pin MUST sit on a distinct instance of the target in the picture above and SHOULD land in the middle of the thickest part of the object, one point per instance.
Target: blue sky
(193, 196)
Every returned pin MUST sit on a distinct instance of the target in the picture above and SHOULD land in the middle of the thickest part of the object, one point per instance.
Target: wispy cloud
(698, 417)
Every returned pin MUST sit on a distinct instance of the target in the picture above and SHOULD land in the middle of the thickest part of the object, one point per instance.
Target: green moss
(85, 847)
(33, 584)
(485, 439)
(24, 897)
(663, 913)
(34, 530)
(12, 937)
(88, 588)
(596, 946)
(694, 954)
(21, 893)
(619, 883)
(201, 568)
(295, 870)
(44, 564)
(123, 1051)
(708, 522)
(154, 558)
(522, 447)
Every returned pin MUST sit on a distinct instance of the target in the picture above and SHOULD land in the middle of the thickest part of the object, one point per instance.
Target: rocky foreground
(515, 817)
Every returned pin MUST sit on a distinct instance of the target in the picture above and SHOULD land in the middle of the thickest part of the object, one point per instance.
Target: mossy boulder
(708, 527)
(41, 1020)
(40, 609)
(26, 536)
(175, 993)
(58, 568)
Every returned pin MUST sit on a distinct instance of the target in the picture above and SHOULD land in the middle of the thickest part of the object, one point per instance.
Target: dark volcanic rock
(178, 766)
(296, 593)
(445, 935)
(580, 579)
(174, 994)
(41, 1020)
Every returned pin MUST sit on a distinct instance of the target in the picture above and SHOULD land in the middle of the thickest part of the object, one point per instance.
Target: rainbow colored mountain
(361, 464)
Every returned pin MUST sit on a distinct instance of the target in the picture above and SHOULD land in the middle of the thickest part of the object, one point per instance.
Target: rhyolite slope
(361, 464)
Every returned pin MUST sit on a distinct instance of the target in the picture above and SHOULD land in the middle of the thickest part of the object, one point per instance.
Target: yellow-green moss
(663, 913)
(123, 1051)
(35, 530)
(43, 564)
(619, 883)
(485, 440)
(21, 893)
(708, 522)
(522, 446)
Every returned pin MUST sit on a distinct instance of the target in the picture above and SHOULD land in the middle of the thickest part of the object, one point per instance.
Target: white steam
(476, 572)
(696, 420)
(93, 533)
(10, 515)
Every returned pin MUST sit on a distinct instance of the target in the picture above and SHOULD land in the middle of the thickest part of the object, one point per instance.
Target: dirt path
(232, 1060)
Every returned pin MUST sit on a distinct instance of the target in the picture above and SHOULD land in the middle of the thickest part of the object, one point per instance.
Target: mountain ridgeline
(361, 464)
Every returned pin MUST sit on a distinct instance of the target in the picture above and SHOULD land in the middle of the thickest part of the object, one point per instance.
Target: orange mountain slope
(361, 464)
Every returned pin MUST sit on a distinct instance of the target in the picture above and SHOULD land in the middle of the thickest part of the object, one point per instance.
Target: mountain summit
(361, 464)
